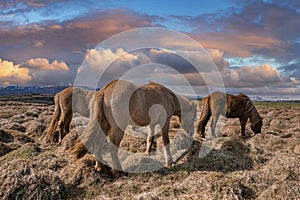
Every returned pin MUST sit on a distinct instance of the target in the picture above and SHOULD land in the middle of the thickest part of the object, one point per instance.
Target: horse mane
(109, 84)
(154, 83)
(244, 96)
(151, 82)
(250, 109)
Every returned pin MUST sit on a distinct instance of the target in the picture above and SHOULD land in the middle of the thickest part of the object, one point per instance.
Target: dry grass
(264, 166)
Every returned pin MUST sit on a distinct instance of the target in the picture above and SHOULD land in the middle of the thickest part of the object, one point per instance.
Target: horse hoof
(117, 173)
(245, 136)
(102, 169)
(171, 164)
(99, 169)
(151, 153)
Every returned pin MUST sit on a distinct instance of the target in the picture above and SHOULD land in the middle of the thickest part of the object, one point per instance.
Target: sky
(255, 44)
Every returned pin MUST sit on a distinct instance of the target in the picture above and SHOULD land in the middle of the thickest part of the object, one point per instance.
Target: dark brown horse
(230, 106)
(121, 103)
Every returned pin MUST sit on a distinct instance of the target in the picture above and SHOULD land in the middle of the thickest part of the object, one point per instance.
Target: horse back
(235, 106)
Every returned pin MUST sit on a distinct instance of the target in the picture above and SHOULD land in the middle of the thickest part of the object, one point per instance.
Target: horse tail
(54, 120)
(93, 135)
(204, 117)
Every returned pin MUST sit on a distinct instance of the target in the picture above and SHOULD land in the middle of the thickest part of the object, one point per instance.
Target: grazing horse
(230, 106)
(67, 102)
(121, 103)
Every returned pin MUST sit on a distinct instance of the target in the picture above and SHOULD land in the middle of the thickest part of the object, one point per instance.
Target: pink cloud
(253, 76)
(44, 64)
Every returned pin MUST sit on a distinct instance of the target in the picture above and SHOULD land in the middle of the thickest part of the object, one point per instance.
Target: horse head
(256, 127)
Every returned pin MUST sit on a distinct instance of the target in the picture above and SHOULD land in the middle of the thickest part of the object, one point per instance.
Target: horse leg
(204, 117)
(100, 166)
(150, 139)
(65, 117)
(166, 143)
(117, 136)
(61, 127)
(213, 125)
(68, 119)
(201, 126)
(243, 121)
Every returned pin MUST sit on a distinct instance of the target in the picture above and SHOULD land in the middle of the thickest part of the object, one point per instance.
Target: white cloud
(253, 76)
(104, 65)
(44, 64)
(38, 71)
(11, 73)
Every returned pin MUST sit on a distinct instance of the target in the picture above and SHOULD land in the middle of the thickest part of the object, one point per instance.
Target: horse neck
(89, 95)
(179, 103)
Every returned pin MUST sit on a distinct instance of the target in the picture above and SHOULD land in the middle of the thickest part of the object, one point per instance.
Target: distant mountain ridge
(23, 90)
(17, 90)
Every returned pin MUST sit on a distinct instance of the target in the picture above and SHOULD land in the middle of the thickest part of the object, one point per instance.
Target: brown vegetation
(264, 166)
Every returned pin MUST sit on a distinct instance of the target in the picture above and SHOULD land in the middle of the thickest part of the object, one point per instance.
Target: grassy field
(277, 104)
(263, 166)
(272, 104)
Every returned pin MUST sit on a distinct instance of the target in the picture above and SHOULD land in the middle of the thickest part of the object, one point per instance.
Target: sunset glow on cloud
(13, 74)
(255, 44)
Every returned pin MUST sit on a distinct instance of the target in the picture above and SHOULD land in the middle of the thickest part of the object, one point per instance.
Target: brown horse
(67, 102)
(121, 103)
(230, 106)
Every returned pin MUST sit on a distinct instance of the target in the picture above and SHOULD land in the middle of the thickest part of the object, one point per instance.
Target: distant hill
(17, 90)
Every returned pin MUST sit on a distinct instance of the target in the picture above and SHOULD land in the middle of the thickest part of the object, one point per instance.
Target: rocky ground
(264, 166)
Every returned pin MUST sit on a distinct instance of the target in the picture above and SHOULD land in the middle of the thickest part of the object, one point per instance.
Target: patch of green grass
(19, 153)
(278, 144)
(276, 104)
(89, 193)
(278, 130)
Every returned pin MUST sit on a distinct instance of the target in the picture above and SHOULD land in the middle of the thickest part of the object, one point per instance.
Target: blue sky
(44, 42)
(24, 13)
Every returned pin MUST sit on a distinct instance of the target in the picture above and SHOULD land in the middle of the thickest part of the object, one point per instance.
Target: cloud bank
(38, 71)
(49, 52)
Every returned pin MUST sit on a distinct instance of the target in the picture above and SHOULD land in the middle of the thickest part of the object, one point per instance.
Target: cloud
(157, 64)
(292, 69)
(59, 40)
(253, 76)
(243, 30)
(44, 72)
(145, 65)
(38, 71)
(105, 65)
(29, 3)
(12, 74)
(44, 64)
(38, 43)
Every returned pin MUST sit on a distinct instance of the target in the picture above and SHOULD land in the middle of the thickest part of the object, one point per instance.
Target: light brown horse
(230, 106)
(121, 103)
(67, 102)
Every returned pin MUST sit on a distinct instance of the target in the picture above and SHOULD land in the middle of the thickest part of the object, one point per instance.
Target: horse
(67, 102)
(230, 106)
(121, 103)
